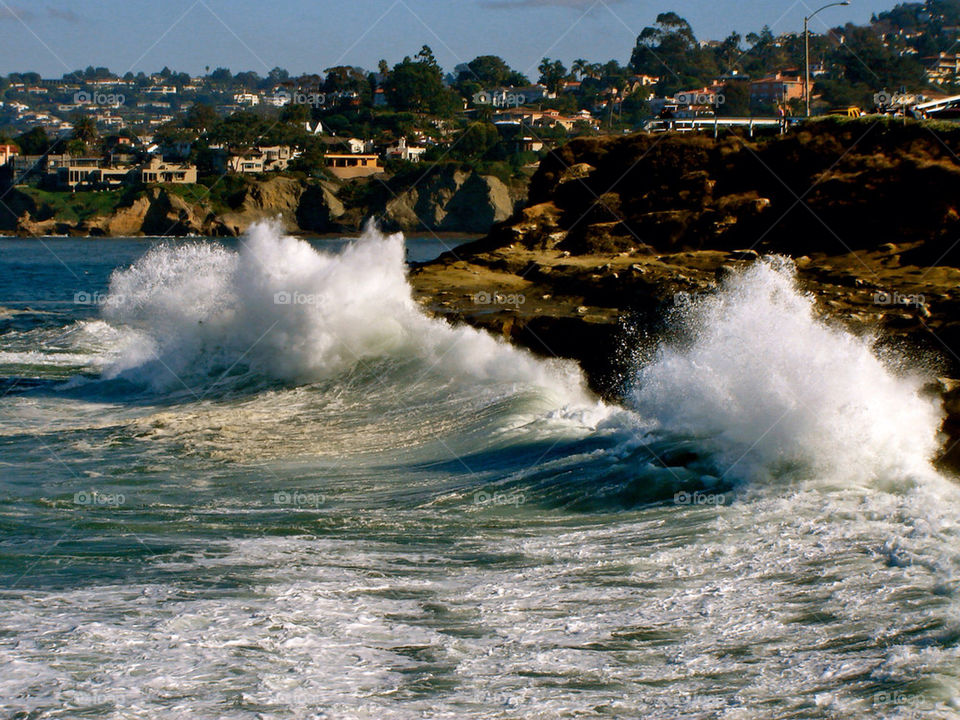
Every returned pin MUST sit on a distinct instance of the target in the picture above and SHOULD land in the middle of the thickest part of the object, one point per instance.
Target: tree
(278, 75)
(201, 117)
(221, 77)
(34, 142)
(418, 85)
(491, 71)
(669, 49)
(84, 129)
(552, 74)
(344, 78)
(736, 99)
(477, 139)
(249, 80)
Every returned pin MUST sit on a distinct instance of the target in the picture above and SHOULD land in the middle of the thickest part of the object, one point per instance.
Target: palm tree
(84, 129)
(579, 67)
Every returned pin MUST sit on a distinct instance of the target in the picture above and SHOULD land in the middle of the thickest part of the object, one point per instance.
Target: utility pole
(806, 49)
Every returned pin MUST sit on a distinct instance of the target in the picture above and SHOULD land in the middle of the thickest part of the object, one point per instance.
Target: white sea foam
(284, 310)
(771, 386)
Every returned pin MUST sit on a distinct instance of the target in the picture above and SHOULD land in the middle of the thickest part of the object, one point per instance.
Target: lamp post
(806, 48)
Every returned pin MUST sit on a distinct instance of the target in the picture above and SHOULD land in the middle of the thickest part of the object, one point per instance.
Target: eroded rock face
(450, 200)
(617, 228)
(830, 186)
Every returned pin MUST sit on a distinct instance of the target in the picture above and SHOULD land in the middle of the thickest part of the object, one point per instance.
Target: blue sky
(53, 36)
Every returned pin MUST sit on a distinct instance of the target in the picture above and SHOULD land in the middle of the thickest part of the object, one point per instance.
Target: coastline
(578, 273)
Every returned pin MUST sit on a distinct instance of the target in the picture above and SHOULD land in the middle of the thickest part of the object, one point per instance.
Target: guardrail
(715, 123)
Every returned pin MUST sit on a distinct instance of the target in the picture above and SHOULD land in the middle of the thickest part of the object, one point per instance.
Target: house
(158, 171)
(533, 93)
(525, 143)
(89, 173)
(26, 165)
(379, 98)
(261, 159)
(251, 162)
(402, 151)
(277, 157)
(776, 89)
(7, 152)
(246, 98)
(358, 146)
(942, 68)
(353, 165)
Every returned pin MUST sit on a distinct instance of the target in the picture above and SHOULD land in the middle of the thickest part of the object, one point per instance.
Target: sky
(56, 36)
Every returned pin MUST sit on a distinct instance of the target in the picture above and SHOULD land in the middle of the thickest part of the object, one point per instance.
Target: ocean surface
(252, 479)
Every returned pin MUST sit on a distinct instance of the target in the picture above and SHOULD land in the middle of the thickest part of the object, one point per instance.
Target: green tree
(491, 71)
(418, 85)
(552, 74)
(34, 142)
(669, 50)
(85, 129)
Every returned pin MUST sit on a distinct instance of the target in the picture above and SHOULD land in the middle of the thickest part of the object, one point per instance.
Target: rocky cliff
(445, 199)
(616, 227)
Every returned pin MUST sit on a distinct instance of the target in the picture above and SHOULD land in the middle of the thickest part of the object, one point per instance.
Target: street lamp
(806, 46)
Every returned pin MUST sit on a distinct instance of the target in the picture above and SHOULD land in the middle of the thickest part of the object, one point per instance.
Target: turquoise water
(252, 479)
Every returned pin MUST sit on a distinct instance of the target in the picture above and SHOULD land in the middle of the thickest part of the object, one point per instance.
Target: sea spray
(769, 386)
(279, 309)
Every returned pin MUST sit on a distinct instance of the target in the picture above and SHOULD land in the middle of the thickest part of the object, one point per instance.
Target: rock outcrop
(451, 200)
(443, 199)
(616, 227)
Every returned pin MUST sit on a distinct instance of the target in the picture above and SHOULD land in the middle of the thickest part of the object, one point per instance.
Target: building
(261, 159)
(775, 89)
(158, 171)
(942, 68)
(7, 152)
(89, 173)
(246, 98)
(25, 166)
(353, 165)
(358, 146)
(402, 151)
(251, 162)
(277, 157)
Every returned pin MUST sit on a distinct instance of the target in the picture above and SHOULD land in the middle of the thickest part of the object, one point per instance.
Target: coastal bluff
(445, 198)
(617, 230)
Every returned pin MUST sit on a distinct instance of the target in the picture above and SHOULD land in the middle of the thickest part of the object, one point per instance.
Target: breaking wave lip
(760, 386)
(770, 388)
(277, 310)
